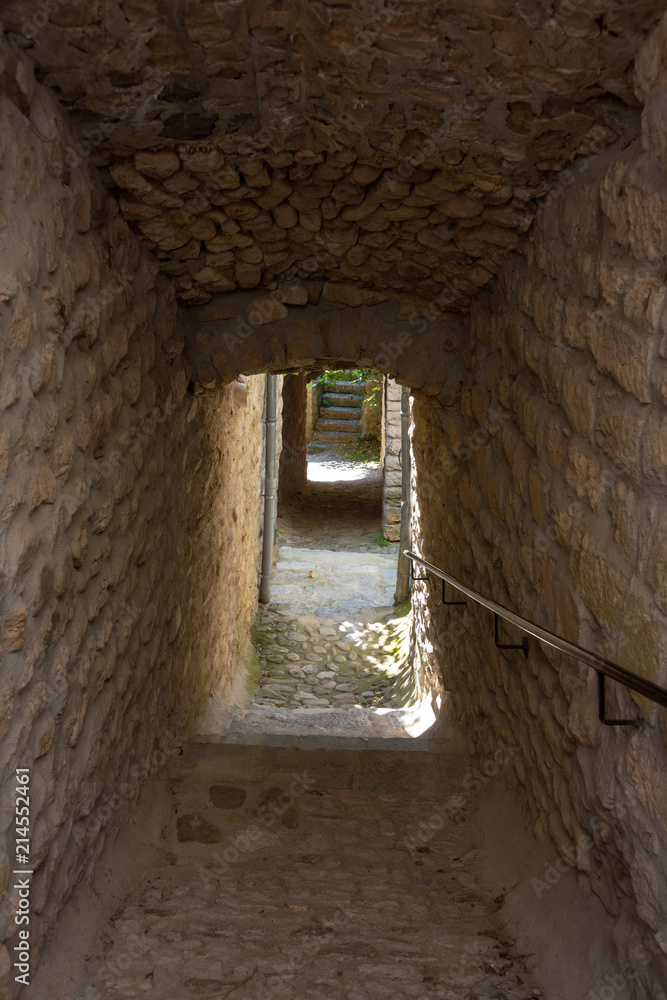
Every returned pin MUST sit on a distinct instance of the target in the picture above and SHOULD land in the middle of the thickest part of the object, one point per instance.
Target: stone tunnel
(470, 198)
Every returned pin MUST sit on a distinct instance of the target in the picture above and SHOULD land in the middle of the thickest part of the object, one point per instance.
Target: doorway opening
(335, 650)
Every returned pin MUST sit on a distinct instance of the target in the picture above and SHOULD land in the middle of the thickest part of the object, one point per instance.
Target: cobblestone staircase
(340, 413)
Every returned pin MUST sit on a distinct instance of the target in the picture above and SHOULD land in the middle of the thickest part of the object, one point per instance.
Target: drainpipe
(403, 571)
(269, 487)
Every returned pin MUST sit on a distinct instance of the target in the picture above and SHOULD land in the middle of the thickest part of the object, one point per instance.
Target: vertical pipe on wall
(403, 570)
(270, 419)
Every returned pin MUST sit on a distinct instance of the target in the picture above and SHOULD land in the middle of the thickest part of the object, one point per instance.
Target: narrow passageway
(332, 557)
(238, 242)
(333, 649)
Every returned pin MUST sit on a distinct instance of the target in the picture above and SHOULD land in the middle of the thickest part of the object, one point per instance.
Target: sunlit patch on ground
(330, 472)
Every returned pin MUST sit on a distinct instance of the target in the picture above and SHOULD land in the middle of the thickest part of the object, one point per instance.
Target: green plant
(278, 533)
(351, 375)
(364, 450)
(345, 375)
(380, 539)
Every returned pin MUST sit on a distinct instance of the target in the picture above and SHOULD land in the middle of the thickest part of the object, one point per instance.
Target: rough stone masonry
(123, 500)
(469, 197)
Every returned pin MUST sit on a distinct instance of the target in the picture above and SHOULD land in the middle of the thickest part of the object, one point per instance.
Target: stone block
(619, 424)
(576, 315)
(43, 487)
(624, 352)
(266, 310)
(580, 217)
(657, 564)
(653, 446)
(584, 472)
(558, 434)
(642, 631)
(625, 507)
(15, 626)
(601, 581)
(579, 393)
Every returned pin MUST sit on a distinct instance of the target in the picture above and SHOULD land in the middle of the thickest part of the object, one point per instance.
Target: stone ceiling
(380, 149)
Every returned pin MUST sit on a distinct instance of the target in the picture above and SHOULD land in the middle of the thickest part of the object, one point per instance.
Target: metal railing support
(605, 668)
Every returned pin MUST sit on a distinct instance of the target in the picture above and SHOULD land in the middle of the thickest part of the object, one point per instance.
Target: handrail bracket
(444, 601)
(412, 572)
(603, 667)
(502, 645)
(602, 707)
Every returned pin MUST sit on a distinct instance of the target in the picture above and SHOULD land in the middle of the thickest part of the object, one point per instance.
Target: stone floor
(311, 662)
(330, 582)
(332, 648)
(301, 854)
(342, 508)
(319, 875)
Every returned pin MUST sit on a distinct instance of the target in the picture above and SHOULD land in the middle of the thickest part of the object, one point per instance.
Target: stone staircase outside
(340, 413)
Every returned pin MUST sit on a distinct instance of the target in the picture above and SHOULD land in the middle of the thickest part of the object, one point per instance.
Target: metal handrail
(603, 666)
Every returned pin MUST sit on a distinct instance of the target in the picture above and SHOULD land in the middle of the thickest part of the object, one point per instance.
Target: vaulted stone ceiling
(380, 149)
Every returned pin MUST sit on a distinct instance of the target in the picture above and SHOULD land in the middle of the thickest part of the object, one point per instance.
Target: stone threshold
(322, 742)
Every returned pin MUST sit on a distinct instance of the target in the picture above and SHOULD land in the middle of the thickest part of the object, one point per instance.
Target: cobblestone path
(319, 875)
(336, 513)
(307, 661)
(331, 638)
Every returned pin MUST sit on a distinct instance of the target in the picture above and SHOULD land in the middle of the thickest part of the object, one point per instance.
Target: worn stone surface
(331, 583)
(384, 149)
(544, 492)
(328, 884)
(339, 662)
(341, 509)
(108, 643)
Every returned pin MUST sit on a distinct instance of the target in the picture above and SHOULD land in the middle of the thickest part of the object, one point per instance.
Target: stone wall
(314, 398)
(545, 490)
(252, 333)
(371, 408)
(293, 465)
(392, 488)
(117, 612)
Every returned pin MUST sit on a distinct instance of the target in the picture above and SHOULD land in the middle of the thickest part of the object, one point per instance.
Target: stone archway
(247, 334)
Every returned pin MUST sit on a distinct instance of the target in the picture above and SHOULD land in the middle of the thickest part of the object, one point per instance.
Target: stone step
(339, 425)
(335, 437)
(355, 388)
(334, 557)
(345, 399)
(430, 772)
(341, 413)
